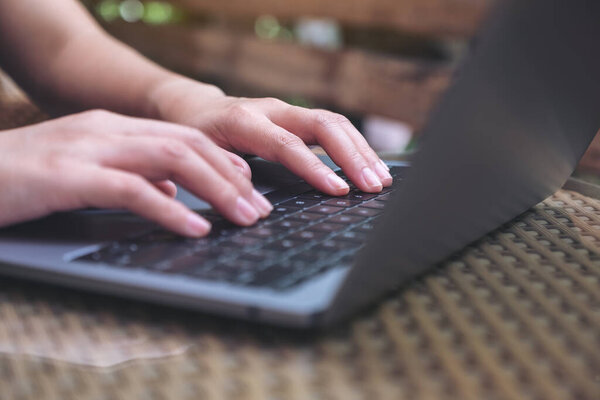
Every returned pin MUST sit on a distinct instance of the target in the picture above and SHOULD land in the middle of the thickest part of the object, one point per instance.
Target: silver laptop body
(508, 133)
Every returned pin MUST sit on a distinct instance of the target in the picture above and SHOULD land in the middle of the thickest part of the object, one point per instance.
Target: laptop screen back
(508, 133)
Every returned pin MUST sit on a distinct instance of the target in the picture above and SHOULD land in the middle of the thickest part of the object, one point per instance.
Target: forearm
(67, 63)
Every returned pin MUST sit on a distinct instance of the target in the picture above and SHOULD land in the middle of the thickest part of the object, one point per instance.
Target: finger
(108, 188)
(335, 134)
(377, 164)
(157, 158)
(167, 187)
(221, 160)
(233, 168)
(258, 135)
(240, 163)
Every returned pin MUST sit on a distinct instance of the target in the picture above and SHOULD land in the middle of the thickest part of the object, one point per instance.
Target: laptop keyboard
(305, 235)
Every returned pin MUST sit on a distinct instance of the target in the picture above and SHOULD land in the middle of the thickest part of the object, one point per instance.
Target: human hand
(105, 160)
(277, 131)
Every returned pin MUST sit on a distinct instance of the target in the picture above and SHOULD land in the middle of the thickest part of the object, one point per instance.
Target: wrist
(169, 99)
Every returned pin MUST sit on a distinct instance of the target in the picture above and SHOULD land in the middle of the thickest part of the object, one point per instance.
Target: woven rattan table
(515, 316)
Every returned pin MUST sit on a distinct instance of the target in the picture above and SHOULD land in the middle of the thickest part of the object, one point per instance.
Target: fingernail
(384, 165)
(197, 226)
(242, 169)
(371, 180)
(246, 214)
(261, 203)
(336, 183)
(384, 175)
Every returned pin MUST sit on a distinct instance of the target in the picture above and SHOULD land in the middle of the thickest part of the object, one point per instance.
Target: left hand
(277, 131)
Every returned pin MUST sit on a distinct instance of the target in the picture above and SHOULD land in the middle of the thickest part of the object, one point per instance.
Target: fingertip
(197, 226)
(263, 206)
(383, 174)
(171, 188)
(245, 214)
(370, 181)
(337, 185)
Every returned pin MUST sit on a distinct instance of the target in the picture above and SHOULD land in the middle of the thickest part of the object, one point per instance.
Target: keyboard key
(313, 195)
(300, 203)
(379, 205)
(360, 196)
(262, 232)
(364, 212)
(272, 218)
(327, 227)
(344, 219)
(261, 256)
(307, 235)
(240, 241)
(306, 216)
(332, 246)
(287, 224)
(283, 245)
(364, 228)
(325, 209)
(198, 244)
(341, 202)
(284, 210)
(384, 198)
(351, 236)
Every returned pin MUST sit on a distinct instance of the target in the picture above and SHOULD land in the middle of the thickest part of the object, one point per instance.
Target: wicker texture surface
(515, 316)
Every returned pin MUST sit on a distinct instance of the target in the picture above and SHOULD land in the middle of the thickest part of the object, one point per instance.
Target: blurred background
(380, 62)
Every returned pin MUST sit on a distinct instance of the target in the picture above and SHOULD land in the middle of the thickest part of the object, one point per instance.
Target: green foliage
(149, 12)
(108, 10)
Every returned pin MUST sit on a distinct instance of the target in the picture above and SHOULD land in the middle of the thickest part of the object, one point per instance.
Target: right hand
(105, 160)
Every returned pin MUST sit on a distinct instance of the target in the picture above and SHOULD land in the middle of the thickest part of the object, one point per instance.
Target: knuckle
(239, 113)
(201, 141)
(54, 161)
(186, 131)
(356, 158)
(284, 142)
(326, 119)
(272, 102)
(96, 114)
(173, 149)
(127, 189)
(87, 123)
(71, 135)
(314, 166)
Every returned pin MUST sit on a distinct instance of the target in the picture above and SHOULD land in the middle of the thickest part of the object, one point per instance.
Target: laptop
(508, 133)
